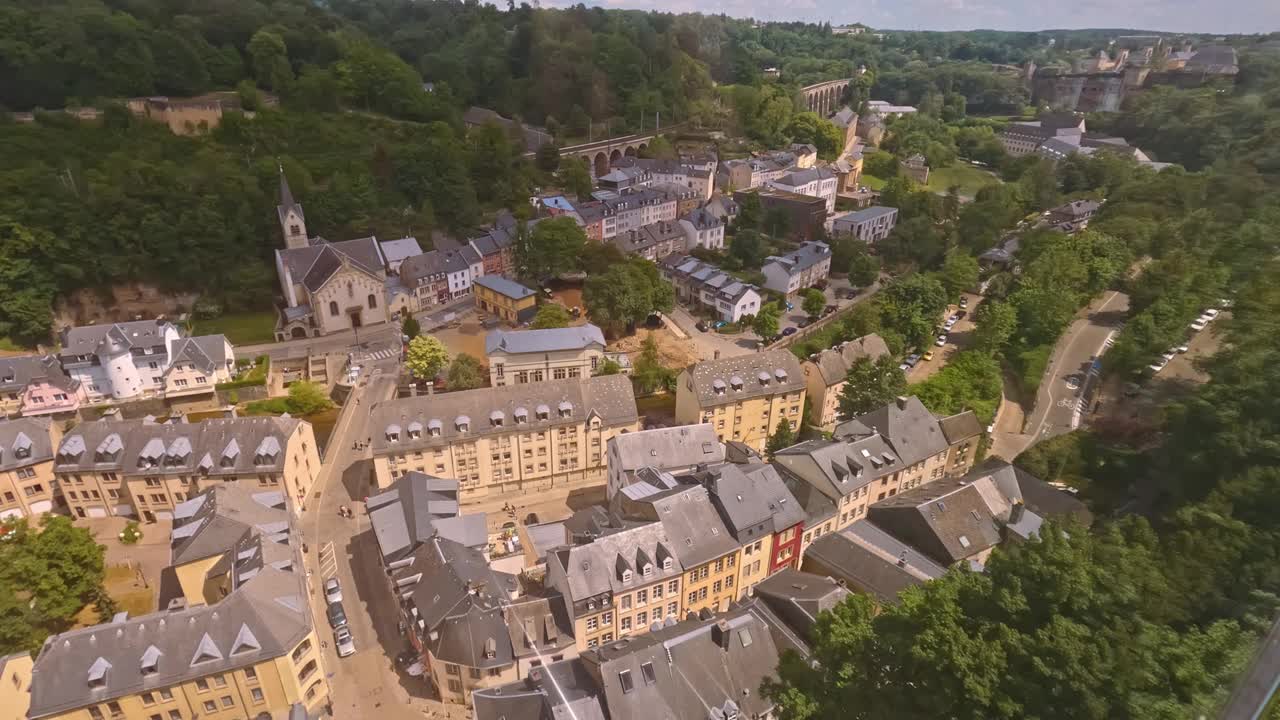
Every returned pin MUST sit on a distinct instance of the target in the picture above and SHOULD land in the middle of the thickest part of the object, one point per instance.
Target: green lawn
(8, 345)
(969, 178)
(871, 181)
(240, 328)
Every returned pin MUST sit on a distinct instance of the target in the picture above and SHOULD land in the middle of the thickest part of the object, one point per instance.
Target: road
(1258, 683)
(1059, 404)
(958, 338)
(366, 684)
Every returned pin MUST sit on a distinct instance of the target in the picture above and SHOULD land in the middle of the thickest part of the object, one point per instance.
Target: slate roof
(559, 691)
(837, 468)
(459, 599)
(688, 670)
(707, 277)
(797, 178)
(124, 446)
(818, 508)
(960, 427)
(265, 615)
(833, 364)
(867, 559)
(702, 219)
(752, 500)
(798, 597)
(287, 202)
(845, 117)
(538, 625)
(865, 214)
(801, 259)
(206, 352)
(113, 338)
(647, 236)
(312, 266)
(416, 507)
(610, 397)
(394, 251)
(950, 519)
(504, 287)
(515, 342)
(721, 206)
(1039, 496)
(700, 379)
(436, 263)
(595, 568)
(16, 373)
(1077, 209)
(905, 423)
(672, 447)
(692, 523)
(24, 442)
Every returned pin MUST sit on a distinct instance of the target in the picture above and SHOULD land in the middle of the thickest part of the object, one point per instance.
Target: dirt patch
(131, 593)
(120, 302)
(467, 337)
(674, 352)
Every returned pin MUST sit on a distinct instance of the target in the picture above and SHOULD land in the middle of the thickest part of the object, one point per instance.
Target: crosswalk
(382, 354)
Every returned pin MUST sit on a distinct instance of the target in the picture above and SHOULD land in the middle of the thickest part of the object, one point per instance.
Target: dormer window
(764, 377)
(735, 382)
(150, 663)
(718, 387)
(490, 649)
(462, 423)
(98, 673)
(626, 576)
(521, 415)
(648, 570)
(434, 428)
(393, 433)
(666, 563)
(566, 409)
(230, 454)
(415, 430)
(496, 418)
(543, 412)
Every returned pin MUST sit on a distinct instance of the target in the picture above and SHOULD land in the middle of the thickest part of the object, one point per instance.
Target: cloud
(1191, 16)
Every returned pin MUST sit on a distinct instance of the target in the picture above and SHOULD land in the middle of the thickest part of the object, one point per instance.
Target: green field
(871, 181)
(969, 178)
(240, 328)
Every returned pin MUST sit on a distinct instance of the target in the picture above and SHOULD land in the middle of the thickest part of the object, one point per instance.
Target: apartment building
(670, 449)
(27, 487)
(703, 229)
(33, 385)
(234, 636)
(198, 365)
(693, 175)
(519, 357)
(701, 285)
(814, 181)
(807, 215)
(802, 268)
(439, 276)
(119, 361)
(825, 374)
(15, 685)
(917, 436)
(869, 225)
(506, 440)
(963, 432)
(505, 298)
(146, 470)
(618, 577)
(634, 210)
(655, 241)
(1024, 138)
(744, 397)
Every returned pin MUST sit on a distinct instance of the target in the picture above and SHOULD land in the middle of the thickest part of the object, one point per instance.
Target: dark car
(805, 322)
(788, 331)
(337, 616)
(829, 309)
(961, 313)
(702, 326)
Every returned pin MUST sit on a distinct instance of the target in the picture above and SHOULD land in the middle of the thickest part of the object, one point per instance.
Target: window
(455, 686)
(175, 715)
(301, 650)
(156, 716)
(673, 608)
(607, 618)
(559, 374)
(642, 619)
(147, 698)
(673, 587)
(166, 694)
(114, 708)
(475, 673)
(626, 602)
(202, 685)
(452, 669)
(307, 670)
(227, 701)
(220, 681)
(693, 597)
(210, 706)
(657, 592)
(626, 624)
(624, 678)
(333, 308)
(646, 671)
(95, 713)
(256, 694)
(592, 624)
(373, 302)
(642, 597)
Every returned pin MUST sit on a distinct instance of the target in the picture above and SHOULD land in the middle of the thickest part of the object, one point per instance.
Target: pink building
(32, 385)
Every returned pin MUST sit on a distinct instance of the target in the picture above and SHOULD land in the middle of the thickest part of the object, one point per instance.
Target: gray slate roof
(751, 499)
(216, 447)
(503, 286)
(559, 691)
(805, 257)
(865, 214)
(24, 442)
(867, 558)
(798, 597)
(596, 567)
(673, 447)
(397, 250)
(959, 427)
(610, 397)
(206, 352)
(833, 364)
(700, 379)
(113, 338)
(837, 468)
(416, 507)
(805, 176)
(692, 523)
(906, 423)
(16, 373)
(950, 520)
(514, 342)
(313, 265)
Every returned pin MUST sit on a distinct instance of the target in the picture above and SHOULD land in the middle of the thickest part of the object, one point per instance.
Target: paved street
(707, 343)
(366, 684)
(1059, 403)
(959, 338)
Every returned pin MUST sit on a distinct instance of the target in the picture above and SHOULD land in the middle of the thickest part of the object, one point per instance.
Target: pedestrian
(357, 401)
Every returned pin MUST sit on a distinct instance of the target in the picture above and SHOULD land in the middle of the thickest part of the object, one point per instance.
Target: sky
(1198, 16)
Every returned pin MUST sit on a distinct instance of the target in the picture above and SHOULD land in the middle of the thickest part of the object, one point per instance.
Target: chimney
(1016, 512)
(720, 635)
(902, 559)
(902, 402)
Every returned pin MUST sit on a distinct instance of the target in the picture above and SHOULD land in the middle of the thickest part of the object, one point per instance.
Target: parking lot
(958, 338)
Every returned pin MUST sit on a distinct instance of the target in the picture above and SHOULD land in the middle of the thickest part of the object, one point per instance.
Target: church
(328, 286)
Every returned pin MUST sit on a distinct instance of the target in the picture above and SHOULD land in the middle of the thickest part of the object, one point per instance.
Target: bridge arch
(601, 164)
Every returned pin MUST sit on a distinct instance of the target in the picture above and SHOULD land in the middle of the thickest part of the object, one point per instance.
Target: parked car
(1182, 348)
(1211, 313)
(1199, 325)
(851, 293)
(964, 301)
(787, 332)
(719, 324)
(805, 322)
(702, 326)
(928, 355)
(912, 359)
(343, 641)
(950, 323)
(337, 616)
(904, 367)
(790, 306)
(332, 591)
(829, 309)
(942, 340)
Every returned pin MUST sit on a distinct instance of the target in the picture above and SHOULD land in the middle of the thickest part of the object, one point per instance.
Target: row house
(744, 397)
(35, 385)
(441, 276)
(233, 637)
(27, 485)
(655, 241)
(517, 357)
(634, 210)
(702, 229)
(702, 285)
(805, 267)
(826, 372)
(814, 182)
(506, 441)
(870, 225)
(144, 358)
(693, 174)
(144, 469)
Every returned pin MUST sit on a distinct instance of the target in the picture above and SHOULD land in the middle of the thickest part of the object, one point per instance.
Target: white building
(702, 229)
(795, 271)
(130, 360)
(699, 284)
(868, 224)
(814, 182)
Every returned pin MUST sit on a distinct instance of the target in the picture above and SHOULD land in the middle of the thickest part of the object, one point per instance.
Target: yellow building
(234, 636)
(744, 397)
(517, 357)
(27, 487)
(15, 686)
(144, 469)
(825, 374)
(503, 441)
(505, 298)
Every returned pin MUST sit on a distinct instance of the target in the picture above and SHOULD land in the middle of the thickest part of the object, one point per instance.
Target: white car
(942, 340)
(332, 590)
(1156, 367)
(1169, 355)
(1198, 325)
(1211, 313)
(1182, 348)
(343, 641)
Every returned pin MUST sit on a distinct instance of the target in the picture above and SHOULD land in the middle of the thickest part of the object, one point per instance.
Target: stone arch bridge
(824, 98)
(603, 153)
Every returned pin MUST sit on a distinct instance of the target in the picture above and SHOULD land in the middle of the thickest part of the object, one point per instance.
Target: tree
(750, 213)
(47, 577)
(575, 178)
(970, 381)
(659, 148)
(647, 372)
(765, 323)
(270, 61)
(959, 273)
(426, 357)
(548, 157)
(609, 367)
(814, 302)
(410, 328)
(466, 373)
(27, 312)
(551, 315)
(870, 384)
(555, 247)
(864, 269)
(912, 307)
(306, 398)
(997, 322)
(626, 295)
(823, 134)
(748, 249)
(783, 437)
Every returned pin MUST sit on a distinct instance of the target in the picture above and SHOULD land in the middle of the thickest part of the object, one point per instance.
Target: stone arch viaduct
(824, 98)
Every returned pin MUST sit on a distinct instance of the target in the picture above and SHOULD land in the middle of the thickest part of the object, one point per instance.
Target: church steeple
(292, 221)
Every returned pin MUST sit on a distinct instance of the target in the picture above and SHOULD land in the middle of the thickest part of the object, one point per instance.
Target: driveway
(712, 344)
(960, 337)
